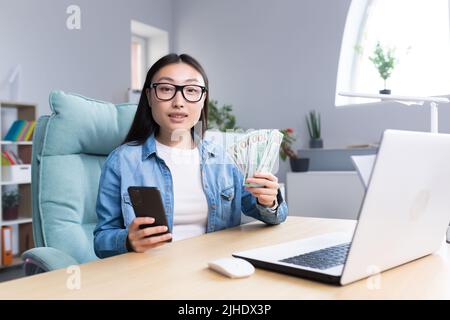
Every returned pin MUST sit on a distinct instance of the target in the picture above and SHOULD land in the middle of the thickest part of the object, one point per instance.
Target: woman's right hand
(138, 237)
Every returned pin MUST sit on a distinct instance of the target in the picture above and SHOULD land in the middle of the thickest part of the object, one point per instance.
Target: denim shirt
(130, 165)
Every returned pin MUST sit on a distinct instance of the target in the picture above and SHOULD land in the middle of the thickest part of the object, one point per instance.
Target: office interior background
(273, 61)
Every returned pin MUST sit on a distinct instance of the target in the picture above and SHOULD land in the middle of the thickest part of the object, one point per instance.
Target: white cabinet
(324, 194)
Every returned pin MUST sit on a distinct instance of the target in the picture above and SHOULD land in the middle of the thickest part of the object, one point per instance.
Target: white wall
(275, 60)
(93, 61)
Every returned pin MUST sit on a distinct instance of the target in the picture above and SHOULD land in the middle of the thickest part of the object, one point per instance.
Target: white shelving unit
(22, 226)
(25, 143)
(16, 222)
(11, 183)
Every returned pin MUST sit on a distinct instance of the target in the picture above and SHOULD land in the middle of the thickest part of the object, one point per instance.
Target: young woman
(202, 190)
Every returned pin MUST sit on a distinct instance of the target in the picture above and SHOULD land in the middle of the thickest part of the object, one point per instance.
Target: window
(417, 30)
(148, 44)
(139, 63)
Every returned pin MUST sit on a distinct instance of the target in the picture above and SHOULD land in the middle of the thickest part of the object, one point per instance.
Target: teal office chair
(69, 148)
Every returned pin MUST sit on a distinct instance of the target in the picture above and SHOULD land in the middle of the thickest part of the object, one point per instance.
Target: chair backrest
(69, 148)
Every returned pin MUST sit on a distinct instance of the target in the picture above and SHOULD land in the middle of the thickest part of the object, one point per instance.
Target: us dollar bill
(256, 151)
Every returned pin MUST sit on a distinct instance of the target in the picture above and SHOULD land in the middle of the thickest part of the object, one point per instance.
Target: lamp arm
(434, 117)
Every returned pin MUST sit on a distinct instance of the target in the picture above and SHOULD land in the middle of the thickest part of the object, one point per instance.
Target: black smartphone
(147, 202)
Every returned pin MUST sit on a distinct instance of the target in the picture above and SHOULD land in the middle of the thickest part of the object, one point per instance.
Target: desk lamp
(409, 100)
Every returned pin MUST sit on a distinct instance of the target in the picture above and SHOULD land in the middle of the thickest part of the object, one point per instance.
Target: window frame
(143, 63)
(156, 44)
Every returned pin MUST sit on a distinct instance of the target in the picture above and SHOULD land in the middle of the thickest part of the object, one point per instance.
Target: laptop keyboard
(321, 259)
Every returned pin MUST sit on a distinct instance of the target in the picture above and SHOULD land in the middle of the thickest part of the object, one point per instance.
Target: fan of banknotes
(256, 151)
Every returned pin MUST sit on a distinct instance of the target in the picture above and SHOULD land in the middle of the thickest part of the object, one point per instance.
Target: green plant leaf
(309, 127)
(384, 61)
(313, 123)
(220, 118)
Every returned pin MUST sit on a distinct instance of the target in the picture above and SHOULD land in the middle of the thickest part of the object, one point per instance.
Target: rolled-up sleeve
(110, 233)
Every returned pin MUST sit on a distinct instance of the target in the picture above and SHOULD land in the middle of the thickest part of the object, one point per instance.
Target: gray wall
(272, 60)
(93, 61)
(275, 60)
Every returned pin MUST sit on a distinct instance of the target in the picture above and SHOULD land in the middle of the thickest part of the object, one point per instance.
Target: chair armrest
(43, 259)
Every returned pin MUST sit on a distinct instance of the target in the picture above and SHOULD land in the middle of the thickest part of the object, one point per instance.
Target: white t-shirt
(190, 212)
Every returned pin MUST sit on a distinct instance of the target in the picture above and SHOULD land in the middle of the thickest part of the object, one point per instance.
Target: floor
(11, 273)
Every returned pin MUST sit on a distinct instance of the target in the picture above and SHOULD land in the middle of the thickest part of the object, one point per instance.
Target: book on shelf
(15, 157)
(26, 241)
(6, 245)
(20, 130)
(6, 159)
(23, 132)
(10, 158)
(29, 134)
(12, 130)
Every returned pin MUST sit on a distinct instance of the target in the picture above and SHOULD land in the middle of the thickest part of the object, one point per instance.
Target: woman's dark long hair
(144, 125)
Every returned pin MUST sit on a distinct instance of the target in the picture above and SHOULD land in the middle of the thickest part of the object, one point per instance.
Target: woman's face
(176, 113)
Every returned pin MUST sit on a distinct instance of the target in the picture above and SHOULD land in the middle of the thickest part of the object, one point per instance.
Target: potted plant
(220, 118)
(313, 123)
(384, 60)
(10, 205)
(297, 164)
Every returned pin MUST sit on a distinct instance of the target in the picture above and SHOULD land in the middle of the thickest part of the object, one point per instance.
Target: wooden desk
(179, 271)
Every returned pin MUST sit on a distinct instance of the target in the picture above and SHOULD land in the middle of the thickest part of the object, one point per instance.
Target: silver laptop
(404, 216)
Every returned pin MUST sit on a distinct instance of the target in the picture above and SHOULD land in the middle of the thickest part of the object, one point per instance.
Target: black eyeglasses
(190, 92)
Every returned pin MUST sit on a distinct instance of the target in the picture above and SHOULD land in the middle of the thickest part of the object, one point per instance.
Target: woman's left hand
(266, 195)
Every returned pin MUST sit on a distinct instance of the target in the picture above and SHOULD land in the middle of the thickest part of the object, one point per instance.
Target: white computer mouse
(232, 267)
